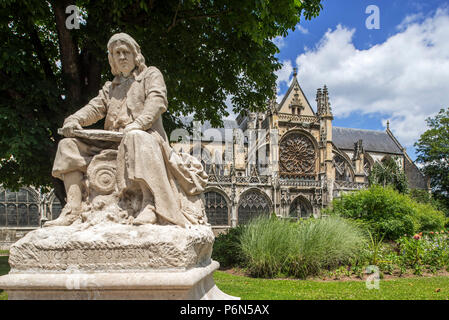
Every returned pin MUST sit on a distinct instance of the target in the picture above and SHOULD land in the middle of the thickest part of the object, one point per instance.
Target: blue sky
(399, 72)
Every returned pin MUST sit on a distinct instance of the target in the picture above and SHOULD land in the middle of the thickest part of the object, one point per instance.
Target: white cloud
(302, 29)
(405, 79)
(409, 20)
(279, 41)
(284, 75)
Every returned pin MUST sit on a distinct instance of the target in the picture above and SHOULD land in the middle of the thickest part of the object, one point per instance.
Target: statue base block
(113, 261)
(193, 284)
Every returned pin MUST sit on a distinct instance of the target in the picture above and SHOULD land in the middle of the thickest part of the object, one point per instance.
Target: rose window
(297, 155)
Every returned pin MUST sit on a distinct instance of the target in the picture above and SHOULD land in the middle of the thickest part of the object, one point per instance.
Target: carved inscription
(92, 256)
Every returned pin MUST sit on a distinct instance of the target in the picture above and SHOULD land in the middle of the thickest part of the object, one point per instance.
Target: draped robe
(143, 155)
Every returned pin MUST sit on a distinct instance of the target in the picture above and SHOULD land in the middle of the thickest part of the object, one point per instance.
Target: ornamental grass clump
(273, 247)
(267, 244)
(324, 243)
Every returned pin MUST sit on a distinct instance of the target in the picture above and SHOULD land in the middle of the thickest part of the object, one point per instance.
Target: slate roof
(375, 141)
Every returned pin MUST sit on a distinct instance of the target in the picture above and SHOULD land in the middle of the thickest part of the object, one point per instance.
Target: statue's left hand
(131, 127)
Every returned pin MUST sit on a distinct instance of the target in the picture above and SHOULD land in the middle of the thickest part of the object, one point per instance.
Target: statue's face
(123, 58)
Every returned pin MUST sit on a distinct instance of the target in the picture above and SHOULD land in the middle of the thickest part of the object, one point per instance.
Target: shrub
(428, 218)
(227, 250)
(273, 247)
(387, 212)
(436, 201)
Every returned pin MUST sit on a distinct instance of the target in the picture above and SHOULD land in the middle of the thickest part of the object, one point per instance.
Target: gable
(295, 97)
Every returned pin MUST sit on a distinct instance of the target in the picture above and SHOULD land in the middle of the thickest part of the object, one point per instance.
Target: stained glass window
(19, 209)
(216, 209)
(342, 169)
(253, 204)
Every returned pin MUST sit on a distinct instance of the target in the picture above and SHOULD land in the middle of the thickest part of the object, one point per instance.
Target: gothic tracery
(297, 155)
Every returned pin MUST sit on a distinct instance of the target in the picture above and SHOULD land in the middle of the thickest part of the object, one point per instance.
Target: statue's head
(124, 54)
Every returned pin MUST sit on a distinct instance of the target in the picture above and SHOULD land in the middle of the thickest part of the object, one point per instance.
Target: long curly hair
(139, 60)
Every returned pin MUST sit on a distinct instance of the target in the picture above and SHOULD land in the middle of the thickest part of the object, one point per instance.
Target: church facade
(308, 161)
(288, 160)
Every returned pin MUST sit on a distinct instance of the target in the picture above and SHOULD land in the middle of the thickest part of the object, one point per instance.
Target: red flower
(417, 236)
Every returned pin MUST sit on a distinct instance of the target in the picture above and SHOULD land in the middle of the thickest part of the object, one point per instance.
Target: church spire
(323, 104)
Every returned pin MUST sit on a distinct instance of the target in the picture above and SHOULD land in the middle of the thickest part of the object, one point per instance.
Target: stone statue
(134, 226)
(153, 184)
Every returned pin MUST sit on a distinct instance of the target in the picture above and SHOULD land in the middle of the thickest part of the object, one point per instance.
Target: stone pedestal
(113, 261)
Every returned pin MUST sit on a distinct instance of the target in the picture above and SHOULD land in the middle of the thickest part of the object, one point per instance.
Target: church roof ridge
(359, 129)
(373, 140)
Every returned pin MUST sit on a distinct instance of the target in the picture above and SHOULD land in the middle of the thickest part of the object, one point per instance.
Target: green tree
(389, 173)
(207, 50)
(433, 152)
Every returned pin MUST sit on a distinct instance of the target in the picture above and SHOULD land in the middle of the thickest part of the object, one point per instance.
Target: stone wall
(9, 236)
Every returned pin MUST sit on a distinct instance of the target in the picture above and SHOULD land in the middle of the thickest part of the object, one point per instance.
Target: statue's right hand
(68, 128)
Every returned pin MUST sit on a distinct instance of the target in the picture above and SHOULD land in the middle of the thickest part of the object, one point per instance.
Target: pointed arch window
(19, 208)
(342, 169)
(216, 209)
(253, 204)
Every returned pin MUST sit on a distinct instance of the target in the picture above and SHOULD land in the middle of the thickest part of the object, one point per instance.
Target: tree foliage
(433, 153)
(207, 50)
(389, 173)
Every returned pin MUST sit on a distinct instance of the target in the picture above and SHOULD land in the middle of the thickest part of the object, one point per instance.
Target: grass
(4, 252)
(4, 269)
(419, 288)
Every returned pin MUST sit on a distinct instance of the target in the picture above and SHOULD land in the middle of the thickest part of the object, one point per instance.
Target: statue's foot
(146, 216)
(66, 218)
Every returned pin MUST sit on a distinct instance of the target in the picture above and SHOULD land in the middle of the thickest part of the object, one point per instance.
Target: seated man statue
(132, 104)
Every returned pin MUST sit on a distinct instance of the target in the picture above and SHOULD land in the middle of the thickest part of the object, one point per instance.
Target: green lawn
(419, 288)
(264, 289)
(4, 269)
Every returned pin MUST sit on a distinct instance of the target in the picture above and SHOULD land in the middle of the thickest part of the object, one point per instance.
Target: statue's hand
(69, 127)
(131, 127)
